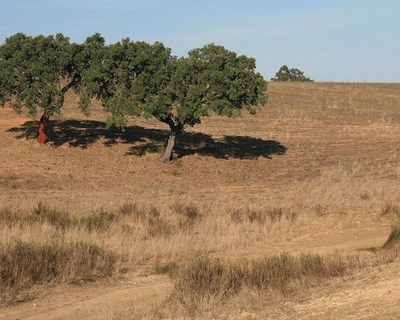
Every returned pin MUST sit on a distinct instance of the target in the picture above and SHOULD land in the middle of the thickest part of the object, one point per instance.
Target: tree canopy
(292, 74)
(130, 79)
(127, 74)
(37, 71)
(180, 91)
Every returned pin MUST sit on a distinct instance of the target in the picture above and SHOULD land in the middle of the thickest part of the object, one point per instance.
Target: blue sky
(330, 40)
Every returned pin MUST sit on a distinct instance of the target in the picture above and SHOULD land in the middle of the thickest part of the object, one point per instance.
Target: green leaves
(293, 74)
(32, 70)
(129, 78)
(139, 79)
(214, 79)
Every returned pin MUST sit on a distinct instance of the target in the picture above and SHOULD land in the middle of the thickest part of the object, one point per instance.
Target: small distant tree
(292, 74)
(36, 72)
(179, 92)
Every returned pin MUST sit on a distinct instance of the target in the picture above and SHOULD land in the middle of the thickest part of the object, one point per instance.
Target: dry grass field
(281, 215)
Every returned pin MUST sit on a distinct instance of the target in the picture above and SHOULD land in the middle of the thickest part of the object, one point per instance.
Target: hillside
(323, 157)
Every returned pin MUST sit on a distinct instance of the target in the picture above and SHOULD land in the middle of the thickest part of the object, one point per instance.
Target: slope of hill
(317, 170)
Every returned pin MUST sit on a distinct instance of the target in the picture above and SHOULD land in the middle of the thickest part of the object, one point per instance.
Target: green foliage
(211, 79)
(88, 70)
(125, 75)
(129, 78)
(180, 91)
(137, 78)
(293, 74)
(37, 71)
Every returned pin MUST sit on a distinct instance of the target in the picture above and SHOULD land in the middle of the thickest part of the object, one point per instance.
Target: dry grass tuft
(40, 214)
(165, 268)
(157, 226)
(23, 265)
(261, 216)
(97, 221)
(204, 279)
(188, 214)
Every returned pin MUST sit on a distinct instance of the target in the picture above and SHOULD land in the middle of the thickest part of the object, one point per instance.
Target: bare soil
(329, 152)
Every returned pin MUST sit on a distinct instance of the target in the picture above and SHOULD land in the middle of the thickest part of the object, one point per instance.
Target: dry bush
(23, 265)
(44, 213)
(207, 279)
(261, 215)
(146, 235)
(157, 226)
(165, 268)
(145, 223)
(8, 217)
(188, 214)
(40, 214)
(129, 209)
(97, 221)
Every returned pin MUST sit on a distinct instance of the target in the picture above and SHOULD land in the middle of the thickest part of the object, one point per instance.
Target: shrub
(188, 214)
(166, 268)
(97, 221)
(206, 279)
(24, 264)
(129, 209)
(158, 226)
(41, 213)
(261, 216)
(44, 213)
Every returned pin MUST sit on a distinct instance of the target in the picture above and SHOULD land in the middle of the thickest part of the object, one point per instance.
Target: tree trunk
(42, 136)
(167, 157)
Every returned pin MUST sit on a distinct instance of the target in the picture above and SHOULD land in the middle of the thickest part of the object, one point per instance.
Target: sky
(330, 40)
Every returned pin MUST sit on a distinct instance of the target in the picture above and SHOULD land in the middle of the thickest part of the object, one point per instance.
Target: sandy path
(84, 302)
(372, 294)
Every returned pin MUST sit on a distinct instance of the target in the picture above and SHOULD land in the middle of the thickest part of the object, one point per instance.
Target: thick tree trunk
(176, 127)
(42, 136)
(167, 157)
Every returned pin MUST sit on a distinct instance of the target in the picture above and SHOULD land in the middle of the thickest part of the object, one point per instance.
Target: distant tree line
(130, 79)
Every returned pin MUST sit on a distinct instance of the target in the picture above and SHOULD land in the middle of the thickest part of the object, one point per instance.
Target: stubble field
(311, 181)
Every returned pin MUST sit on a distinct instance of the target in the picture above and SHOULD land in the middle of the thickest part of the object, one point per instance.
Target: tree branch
(73, 82)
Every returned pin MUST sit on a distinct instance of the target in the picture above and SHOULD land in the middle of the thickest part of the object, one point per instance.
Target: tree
(293, 74)
(179, 92)
(125, 75)
(36, 72)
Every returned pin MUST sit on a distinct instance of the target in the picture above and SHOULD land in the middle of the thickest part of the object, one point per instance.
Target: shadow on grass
(83, 133)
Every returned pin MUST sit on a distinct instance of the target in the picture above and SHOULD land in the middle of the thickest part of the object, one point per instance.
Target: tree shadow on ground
(79, 133)
(238, 147)
(84, 133)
